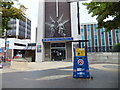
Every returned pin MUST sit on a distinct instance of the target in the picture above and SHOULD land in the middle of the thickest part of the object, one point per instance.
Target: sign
(80, 62)
(80, 52)
(7, 45)
(0, 50)
(57, 39)
(80, 66)
(39, 47)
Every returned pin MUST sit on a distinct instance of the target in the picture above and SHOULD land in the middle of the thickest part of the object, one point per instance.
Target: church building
(57, 28)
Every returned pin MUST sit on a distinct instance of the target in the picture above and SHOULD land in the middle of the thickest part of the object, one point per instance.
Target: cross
(57, 10)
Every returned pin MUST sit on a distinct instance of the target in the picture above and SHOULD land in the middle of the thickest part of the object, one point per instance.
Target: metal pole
(78, 15)
(5, 45)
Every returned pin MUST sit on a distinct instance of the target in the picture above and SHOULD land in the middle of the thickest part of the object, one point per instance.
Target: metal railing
(100, 49)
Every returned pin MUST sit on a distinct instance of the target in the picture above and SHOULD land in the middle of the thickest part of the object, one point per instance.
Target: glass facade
(110, 38)
(95, 35)
(102, 37)
(117, 35)
(95, 40)
(82, 35)
(99, 38)
(83, 42)
(58, 51)
(82, 30)
(28, 29)
(12, 21)
(94, 26)
(23, 27)
(12, 24)
(89, 37)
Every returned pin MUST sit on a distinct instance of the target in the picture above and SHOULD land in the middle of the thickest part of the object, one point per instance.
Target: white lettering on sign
(81, 49)
(79, 69)
(81, 73)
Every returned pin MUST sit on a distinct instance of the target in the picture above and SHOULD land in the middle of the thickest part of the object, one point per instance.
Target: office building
(56, 31)
(20, 29)
(16, 46)
(99, 41)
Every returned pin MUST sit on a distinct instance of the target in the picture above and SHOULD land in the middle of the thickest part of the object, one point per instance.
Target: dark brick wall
(92, 36)
(85, 34)
(50, 10)
(113, 36)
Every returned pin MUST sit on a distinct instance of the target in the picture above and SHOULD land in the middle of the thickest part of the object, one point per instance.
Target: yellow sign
(80, 52)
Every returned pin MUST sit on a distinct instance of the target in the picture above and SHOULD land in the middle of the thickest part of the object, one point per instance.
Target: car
(9, 60)
(19, 55)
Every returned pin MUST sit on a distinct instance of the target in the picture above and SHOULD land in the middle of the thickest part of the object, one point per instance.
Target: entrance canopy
(79, 41)
(67, 39)
(57, 39)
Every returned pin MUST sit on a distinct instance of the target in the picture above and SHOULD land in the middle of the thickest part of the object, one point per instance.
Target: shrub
(116, 48)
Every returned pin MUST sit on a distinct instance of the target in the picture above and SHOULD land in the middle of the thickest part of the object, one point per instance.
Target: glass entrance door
(58, 53)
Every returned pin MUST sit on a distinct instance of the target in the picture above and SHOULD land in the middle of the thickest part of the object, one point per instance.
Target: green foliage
(116, 48)
(103, 10)
(9, 11)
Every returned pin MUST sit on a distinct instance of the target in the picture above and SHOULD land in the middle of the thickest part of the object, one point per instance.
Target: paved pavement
(59, 75)
(0, 79)
(33, 66)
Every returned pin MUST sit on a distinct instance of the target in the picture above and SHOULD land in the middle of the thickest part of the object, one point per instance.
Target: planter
(20, 64)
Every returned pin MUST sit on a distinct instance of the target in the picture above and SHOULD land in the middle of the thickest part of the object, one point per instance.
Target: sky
(32, 12)
(84, 16)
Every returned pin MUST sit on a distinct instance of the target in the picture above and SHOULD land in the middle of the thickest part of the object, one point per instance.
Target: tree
(9, 11)
(104, 10)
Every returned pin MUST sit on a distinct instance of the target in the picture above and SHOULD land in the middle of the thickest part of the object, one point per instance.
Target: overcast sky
(32, 12)
(84, 16)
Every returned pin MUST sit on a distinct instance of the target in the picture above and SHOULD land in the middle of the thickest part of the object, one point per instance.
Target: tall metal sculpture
(51, 27)
(60, 28)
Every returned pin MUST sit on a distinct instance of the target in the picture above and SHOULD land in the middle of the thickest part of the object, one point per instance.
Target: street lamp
(78, 21)
(5, 37)
(5, 50)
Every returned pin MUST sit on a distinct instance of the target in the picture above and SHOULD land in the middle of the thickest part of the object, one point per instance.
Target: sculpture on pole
(60, 28)
(51, 27)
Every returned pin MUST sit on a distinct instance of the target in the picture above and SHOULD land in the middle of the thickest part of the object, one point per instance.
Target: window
(95, 40)
(117, 35)
(82, 42)
(82, 30)
(89, 42)
(110, 38)
(57, 44)
(102, 37)
(88, 28)
(94, 26)
(12, 21)
(82, 37)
